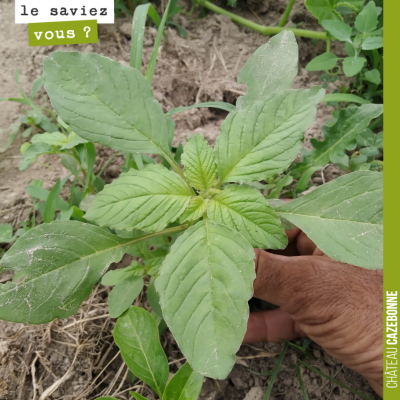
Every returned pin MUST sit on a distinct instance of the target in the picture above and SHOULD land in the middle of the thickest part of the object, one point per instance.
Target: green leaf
(157, 42)
(322, 62)
(210, 104)
(262, 140)
(344, 97)
(58, 139)
(337, 138)
(117, 276)
(153, 298)
(271, 69)
(49, 212)
(307, 174)
(338, 29)
(196, 208)
(136, 334)
(367, 19)
(204, 285)
(106, 398)
(36, 85)
(6, 233)
(371, 43)
(94, 96)
(353, 65)
(153, 265)
(43, 194)
(323, 9)
(122, 295)
(369, 151)
(246, 210)
(137, 396)
(62, 261)
(184, 385)
(138, 24)
(199, 162)
(373, 76)
(343, 218)
(32, 152)
(146, 199)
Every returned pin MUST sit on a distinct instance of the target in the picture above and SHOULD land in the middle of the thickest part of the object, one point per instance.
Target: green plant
(363, 41)
(195, 228)
(33, 117)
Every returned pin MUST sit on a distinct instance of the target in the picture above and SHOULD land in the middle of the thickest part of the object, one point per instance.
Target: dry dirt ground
(77, 358)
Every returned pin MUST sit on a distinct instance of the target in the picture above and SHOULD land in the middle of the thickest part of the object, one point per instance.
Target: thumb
(289, 282)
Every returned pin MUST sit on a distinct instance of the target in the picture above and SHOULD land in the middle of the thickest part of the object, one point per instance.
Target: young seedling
(204, 220)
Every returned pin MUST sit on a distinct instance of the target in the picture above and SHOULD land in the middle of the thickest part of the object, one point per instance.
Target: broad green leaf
(371, 43)
(343, 218)
(262, 140)
(366, 138)
(106, 102)
(122, 295)
(136, 335)
(196, 208)
(353, 65)
(271, 69)
(204, 285)
(137, 396)
(367, 19)
(199, 162)
(344, 97)
(337, 138)
(117, 276)
(138, 24)
(322, 62)
(210, 104)
(58, 139)
(32, 152)
(369, 151)
(373, 76)
(338, 29)
(246, 210)
(62, 261)
(323, 9)
(184, 385)
(146, 199)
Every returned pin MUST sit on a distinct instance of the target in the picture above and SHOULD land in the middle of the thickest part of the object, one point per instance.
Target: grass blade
(212, 104)
(138, 23)
(275, 372)
(302, 387)
(160, 32)
(51, 203)
(316, 370)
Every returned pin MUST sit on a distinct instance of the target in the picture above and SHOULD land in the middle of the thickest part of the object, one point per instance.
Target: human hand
(337, 305)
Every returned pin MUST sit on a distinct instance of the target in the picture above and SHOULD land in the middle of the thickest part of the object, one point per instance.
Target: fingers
(271, 326)
(305, 246)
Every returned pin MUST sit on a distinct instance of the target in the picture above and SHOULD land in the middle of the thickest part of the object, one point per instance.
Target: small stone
(126, 29)
(256, 393)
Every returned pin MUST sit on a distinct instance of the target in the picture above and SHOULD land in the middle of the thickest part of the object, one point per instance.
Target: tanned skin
(337, 305)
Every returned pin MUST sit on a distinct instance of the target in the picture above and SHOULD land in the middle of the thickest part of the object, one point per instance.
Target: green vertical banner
(391, 285)
(62, 32)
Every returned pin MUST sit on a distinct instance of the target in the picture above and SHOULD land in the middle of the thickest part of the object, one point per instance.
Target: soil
(76, 358)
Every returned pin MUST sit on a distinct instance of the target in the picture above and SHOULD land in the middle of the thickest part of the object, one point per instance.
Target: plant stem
(161, 233)
(107, 164)
(286, 14)
(264, 30)
(328, 45)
